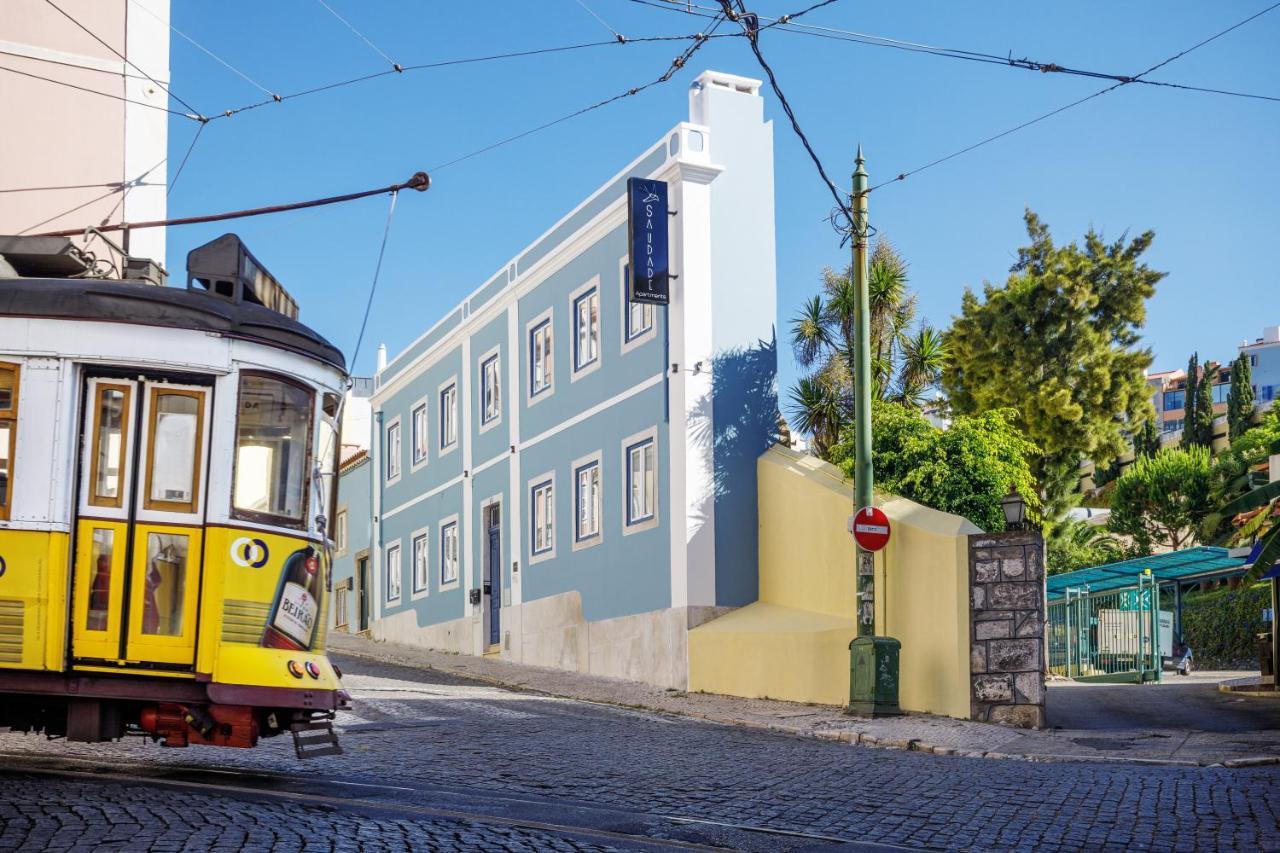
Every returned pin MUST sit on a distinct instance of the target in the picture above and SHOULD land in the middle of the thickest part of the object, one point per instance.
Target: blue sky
(1201, 170)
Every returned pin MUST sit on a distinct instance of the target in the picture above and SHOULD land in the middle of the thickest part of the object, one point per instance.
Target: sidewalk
(920, 732)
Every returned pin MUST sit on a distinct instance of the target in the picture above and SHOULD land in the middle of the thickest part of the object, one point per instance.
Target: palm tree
(905, 364)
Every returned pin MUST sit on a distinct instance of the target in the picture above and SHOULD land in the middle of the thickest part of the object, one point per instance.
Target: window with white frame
(392, 448)
(639, 315)
(542, 522)
(419, 434)
(642, 481)
(449, 553)
(586, 328)
(490, 390)
(540, 368)
(393, 572)
(421, 572)
(449, 417)
(340, 532)
(341, 603)
(586, 500)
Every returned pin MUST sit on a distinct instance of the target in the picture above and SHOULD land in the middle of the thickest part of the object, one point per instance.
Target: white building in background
(1264, 366)
(58, 136)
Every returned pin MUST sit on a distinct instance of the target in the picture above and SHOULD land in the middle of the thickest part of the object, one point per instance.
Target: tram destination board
(648, 278)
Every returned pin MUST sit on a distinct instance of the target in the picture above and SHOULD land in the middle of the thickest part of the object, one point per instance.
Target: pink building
(110, 141)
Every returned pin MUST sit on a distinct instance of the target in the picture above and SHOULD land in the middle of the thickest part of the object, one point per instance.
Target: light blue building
(564, 478)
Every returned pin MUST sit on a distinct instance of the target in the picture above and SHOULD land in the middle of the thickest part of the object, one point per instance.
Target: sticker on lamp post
(870, 528)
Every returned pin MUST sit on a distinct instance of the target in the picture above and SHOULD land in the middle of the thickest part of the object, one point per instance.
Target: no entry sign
(870, 528)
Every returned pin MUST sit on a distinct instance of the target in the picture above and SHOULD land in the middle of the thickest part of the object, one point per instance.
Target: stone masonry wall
(1006, 628)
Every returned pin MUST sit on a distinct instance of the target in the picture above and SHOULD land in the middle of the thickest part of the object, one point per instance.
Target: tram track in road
(586, 822)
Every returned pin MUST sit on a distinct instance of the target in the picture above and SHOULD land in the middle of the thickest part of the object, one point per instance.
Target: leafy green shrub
(1222, 625)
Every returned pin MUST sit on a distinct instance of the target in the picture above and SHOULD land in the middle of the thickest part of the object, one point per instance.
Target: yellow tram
(166, 469)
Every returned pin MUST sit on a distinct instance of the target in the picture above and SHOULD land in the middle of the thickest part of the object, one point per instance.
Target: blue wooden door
(495, 574)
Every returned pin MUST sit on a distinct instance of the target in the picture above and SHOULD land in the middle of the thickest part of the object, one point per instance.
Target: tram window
(110, 437)
(173, 456)
(8, 432)
(166, 584)
(102, 553)
(273, 444)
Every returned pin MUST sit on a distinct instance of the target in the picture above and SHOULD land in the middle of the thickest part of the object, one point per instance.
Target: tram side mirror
(475, 596)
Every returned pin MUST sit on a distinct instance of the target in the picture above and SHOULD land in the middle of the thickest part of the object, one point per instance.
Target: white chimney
(382, 357)
(1271, 334)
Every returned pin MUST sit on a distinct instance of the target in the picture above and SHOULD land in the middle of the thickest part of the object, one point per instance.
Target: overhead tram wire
(750, 27)
(394, 65)
(786, 23)
(113, 97)
(902, 176)
(205, 50)
(592, 12)
(517, 54)
(185, 157)
(123, 58)
(676, 64)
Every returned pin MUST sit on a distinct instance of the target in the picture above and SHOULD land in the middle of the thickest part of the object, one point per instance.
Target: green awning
(1188, 564)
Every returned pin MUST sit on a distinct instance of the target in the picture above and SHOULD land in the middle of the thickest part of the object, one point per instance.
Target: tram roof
(167, 307)
(1188, 564)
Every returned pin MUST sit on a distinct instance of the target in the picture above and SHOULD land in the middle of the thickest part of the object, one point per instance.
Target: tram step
(315, 739)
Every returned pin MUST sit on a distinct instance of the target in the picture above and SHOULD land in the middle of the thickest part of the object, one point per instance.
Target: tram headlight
(312, 669)
(295, 669)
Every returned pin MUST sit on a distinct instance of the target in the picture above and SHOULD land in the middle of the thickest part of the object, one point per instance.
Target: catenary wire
(122, 57)
(786, 23)
(185, 157)
(676, 64)
(395, 65)
(205, 50)
(100, 93)
(902, 176)
(446, 63)
(750, 28)
(592, 12)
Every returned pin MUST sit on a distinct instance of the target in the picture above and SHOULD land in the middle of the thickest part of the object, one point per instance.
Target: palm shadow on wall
(738, 420)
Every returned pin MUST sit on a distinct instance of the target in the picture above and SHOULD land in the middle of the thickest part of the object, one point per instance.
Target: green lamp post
(873, 660)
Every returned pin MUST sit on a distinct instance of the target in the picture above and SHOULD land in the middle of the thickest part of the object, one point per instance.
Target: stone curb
(852, 738)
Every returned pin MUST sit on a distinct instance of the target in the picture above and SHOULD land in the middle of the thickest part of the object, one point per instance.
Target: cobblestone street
(438, 762)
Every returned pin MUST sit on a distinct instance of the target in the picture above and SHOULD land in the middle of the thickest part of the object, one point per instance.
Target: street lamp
(1014, 508)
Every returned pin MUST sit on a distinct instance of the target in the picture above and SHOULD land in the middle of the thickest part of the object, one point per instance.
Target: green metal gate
(1107, 636)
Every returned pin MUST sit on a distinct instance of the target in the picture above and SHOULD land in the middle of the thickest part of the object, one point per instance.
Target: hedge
(1221, 626)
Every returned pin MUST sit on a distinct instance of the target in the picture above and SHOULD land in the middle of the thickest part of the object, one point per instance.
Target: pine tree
(1189, 399)
(1240, 398)
(1059, 342)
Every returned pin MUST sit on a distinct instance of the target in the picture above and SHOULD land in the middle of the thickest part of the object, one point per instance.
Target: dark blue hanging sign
(648, 276)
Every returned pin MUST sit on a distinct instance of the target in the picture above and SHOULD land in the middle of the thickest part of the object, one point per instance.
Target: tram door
(140, 521)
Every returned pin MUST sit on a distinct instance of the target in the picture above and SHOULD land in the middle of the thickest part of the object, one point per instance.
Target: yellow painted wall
(793, 643)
